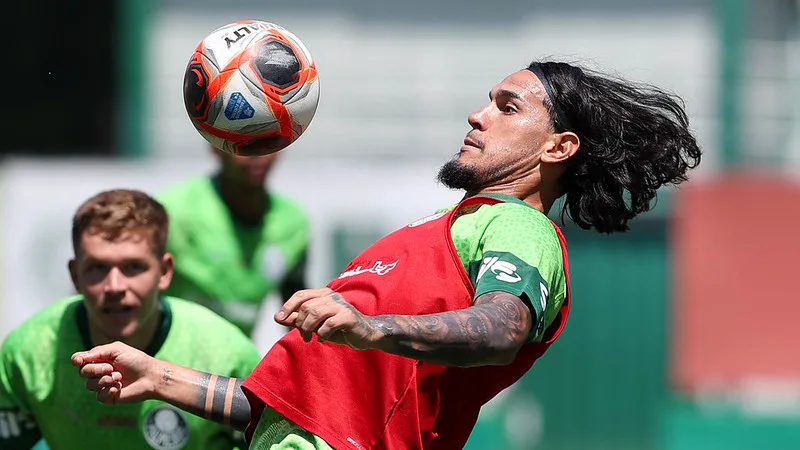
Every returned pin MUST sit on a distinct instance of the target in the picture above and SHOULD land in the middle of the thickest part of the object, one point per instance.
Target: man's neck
(247, 204)
(141, 339)
(533, 198)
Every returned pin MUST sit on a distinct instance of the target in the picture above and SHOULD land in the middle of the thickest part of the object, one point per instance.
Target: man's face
(121, 281)
(250, 171)
(507, 137)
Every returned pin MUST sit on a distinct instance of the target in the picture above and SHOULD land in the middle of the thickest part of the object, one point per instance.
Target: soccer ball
(251, 88)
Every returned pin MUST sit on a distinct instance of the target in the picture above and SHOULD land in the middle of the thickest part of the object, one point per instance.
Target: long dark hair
(634, 139)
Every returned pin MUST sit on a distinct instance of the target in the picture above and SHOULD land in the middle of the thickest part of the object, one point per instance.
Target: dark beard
(455, 175)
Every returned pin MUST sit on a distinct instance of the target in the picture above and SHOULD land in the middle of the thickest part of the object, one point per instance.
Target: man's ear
(565, 146)
(72, 266)
(167, 270)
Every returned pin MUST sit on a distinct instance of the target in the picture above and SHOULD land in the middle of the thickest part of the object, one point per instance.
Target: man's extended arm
(213, 397)
(119, 373)
(488, 333)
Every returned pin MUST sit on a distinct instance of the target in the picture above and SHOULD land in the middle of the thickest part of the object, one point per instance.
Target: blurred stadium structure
(681, 337)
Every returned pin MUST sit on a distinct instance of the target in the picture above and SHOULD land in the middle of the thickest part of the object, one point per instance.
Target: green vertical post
(731, 14)
(132, 21)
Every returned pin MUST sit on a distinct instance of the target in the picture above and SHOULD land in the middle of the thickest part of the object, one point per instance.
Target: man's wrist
(380, 337)
(160, 377)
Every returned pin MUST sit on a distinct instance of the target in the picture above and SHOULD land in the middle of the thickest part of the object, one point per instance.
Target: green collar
(154, 346)
(215, 184)
(506, 198)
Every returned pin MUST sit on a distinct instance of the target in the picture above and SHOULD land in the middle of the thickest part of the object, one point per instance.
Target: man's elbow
(507, 355)
(503, 353)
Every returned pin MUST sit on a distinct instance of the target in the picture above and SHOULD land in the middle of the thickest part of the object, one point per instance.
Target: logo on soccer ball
(165, 429)
(238, 108)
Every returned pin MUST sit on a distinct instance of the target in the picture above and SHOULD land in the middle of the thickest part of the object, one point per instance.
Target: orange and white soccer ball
(251, 88)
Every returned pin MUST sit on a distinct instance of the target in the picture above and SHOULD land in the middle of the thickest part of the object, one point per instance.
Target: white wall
(397, 89)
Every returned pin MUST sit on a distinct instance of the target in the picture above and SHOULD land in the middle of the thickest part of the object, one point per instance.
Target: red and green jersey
(228, 266)
(514, 248)
(42, 395)
(502, 244)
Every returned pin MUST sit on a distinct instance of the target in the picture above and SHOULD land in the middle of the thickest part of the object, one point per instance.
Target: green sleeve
(237, 357)
(18, 430)
(518, 252)
(247, 359)
(275, 432)
(244, 357)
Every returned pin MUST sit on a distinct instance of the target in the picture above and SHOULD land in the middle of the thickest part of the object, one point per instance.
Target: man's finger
(302, 311)
(99, 354)
(291, 319)
(310, 310)
(315, 315)
(109, 396)
(104, 382)
(333, 325)
(96, 370)
(294, 302)
(307, 335)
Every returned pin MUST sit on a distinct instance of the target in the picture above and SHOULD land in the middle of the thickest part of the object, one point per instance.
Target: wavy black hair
(634, 139)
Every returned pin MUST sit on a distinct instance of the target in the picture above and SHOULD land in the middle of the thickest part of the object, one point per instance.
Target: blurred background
(682, 335)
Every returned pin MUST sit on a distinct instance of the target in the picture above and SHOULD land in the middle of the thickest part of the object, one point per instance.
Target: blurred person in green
(235, 241)
(119, 270)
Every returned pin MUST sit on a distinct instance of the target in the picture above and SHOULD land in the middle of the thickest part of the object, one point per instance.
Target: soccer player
(402, 349)
(119, 270)
(234, 241)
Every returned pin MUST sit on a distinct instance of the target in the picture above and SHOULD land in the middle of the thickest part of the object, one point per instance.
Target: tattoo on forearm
(365, 323)
(221, 399)
(488, 332)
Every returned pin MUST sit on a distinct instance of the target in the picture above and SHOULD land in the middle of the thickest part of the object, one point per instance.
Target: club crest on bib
(165, 429)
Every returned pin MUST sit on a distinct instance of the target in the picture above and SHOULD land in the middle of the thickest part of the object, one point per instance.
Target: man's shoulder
(200, 337)
(508, 217)
(44, 329)
(177, 194)
(191, 317)
(287, 207)
(183, 307)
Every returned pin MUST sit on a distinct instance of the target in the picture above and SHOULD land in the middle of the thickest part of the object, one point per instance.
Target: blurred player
(120, 268)
(234, 241)
(403, 348)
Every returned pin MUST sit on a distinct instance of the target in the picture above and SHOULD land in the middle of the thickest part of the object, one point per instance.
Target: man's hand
(327, 314)
(118, 373)
(490, 332)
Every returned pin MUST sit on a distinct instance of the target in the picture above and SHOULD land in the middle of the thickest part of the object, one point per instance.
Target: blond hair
(119, 211)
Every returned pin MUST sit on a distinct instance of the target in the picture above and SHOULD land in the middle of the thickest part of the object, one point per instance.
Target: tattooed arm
(488, 333)
(119, 373)
(213, 397)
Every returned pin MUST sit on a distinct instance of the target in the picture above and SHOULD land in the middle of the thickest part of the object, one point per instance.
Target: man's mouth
(117, 310)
